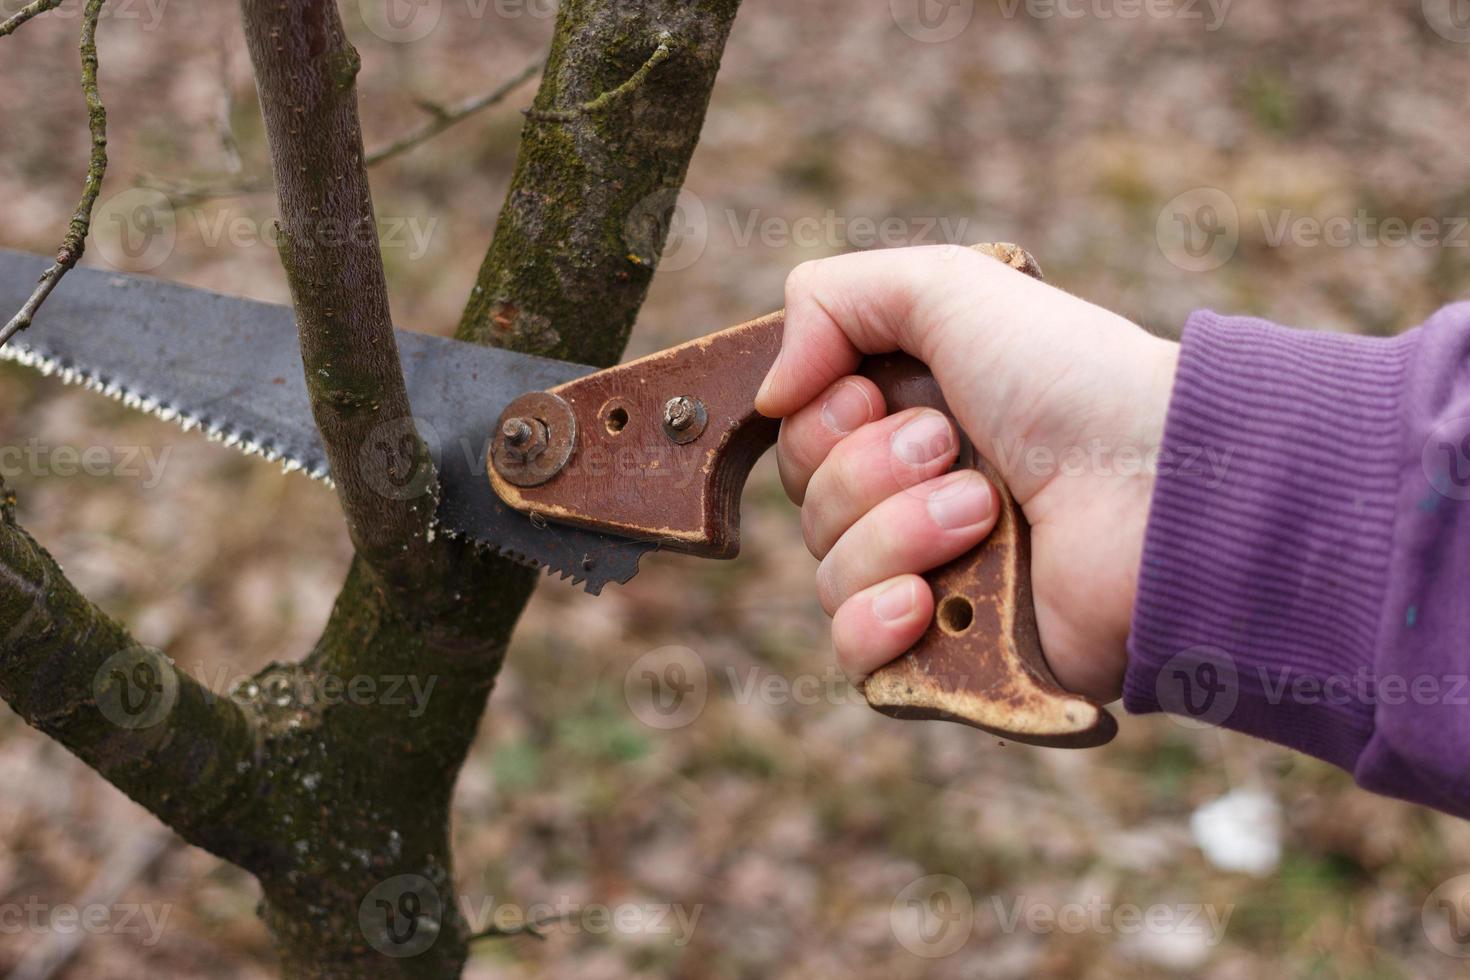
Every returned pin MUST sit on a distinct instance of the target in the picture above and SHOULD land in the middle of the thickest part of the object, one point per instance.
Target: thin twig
(532, 929)
(75, 242)
(26, 13)
(444, 118)
(661, 54)
(441, 119)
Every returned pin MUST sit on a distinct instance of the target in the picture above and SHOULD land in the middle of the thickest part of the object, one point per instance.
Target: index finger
(839, 309)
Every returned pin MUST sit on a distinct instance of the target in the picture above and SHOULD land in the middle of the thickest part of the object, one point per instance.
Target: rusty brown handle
(660, 448)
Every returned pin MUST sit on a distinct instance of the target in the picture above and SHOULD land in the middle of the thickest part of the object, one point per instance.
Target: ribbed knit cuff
(1264, 564)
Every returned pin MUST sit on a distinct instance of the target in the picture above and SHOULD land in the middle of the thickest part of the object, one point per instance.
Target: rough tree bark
(341, 809)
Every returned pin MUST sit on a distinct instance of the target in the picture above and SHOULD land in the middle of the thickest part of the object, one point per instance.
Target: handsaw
(563, 466)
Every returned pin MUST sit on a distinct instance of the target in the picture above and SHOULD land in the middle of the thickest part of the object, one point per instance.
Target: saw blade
(232, 368)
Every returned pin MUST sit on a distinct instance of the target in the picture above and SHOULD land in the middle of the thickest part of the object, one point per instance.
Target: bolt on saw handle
(660, 448)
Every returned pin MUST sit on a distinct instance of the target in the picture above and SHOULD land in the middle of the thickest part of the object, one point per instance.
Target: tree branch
(659, 56)
(75, 241)
(306, 73)
(582, 228)
(13, 23)
(441, 119)
(178, 749)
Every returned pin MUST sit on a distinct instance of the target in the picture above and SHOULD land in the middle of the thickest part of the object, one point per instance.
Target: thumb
(839, 309)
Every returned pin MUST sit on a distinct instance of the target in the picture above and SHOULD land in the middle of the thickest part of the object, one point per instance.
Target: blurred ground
(786, 826)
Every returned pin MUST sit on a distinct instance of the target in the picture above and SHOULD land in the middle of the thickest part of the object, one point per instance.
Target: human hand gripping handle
(979, 660)
(967, 647)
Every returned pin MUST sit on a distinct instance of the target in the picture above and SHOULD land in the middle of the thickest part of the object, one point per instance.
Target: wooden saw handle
(660, 448)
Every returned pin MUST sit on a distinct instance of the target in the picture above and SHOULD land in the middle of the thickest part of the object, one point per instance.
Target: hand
(1066, 399)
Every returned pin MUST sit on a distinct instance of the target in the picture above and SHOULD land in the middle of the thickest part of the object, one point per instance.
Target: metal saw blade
(232, 368)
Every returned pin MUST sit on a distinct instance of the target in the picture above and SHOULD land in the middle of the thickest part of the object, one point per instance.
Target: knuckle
(829, 591)
(800, 280)
(810, 532)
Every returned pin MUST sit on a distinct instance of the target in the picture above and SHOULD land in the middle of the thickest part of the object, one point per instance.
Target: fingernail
(964, 500)
(765, 388)
(894, 602)
(846, 408)
(923, 440)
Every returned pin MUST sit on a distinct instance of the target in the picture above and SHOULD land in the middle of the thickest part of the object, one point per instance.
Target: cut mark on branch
(75, 242)
(634, 81)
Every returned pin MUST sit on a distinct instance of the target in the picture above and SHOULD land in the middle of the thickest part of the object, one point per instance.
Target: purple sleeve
(1306, 569)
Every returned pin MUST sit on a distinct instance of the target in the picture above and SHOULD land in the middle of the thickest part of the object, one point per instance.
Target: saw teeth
(50, 366)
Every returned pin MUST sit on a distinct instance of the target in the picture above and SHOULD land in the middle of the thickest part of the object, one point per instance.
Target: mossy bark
(587, 214)
(339, 804)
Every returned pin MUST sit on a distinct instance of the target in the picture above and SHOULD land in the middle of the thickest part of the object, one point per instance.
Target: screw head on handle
(684, 418)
